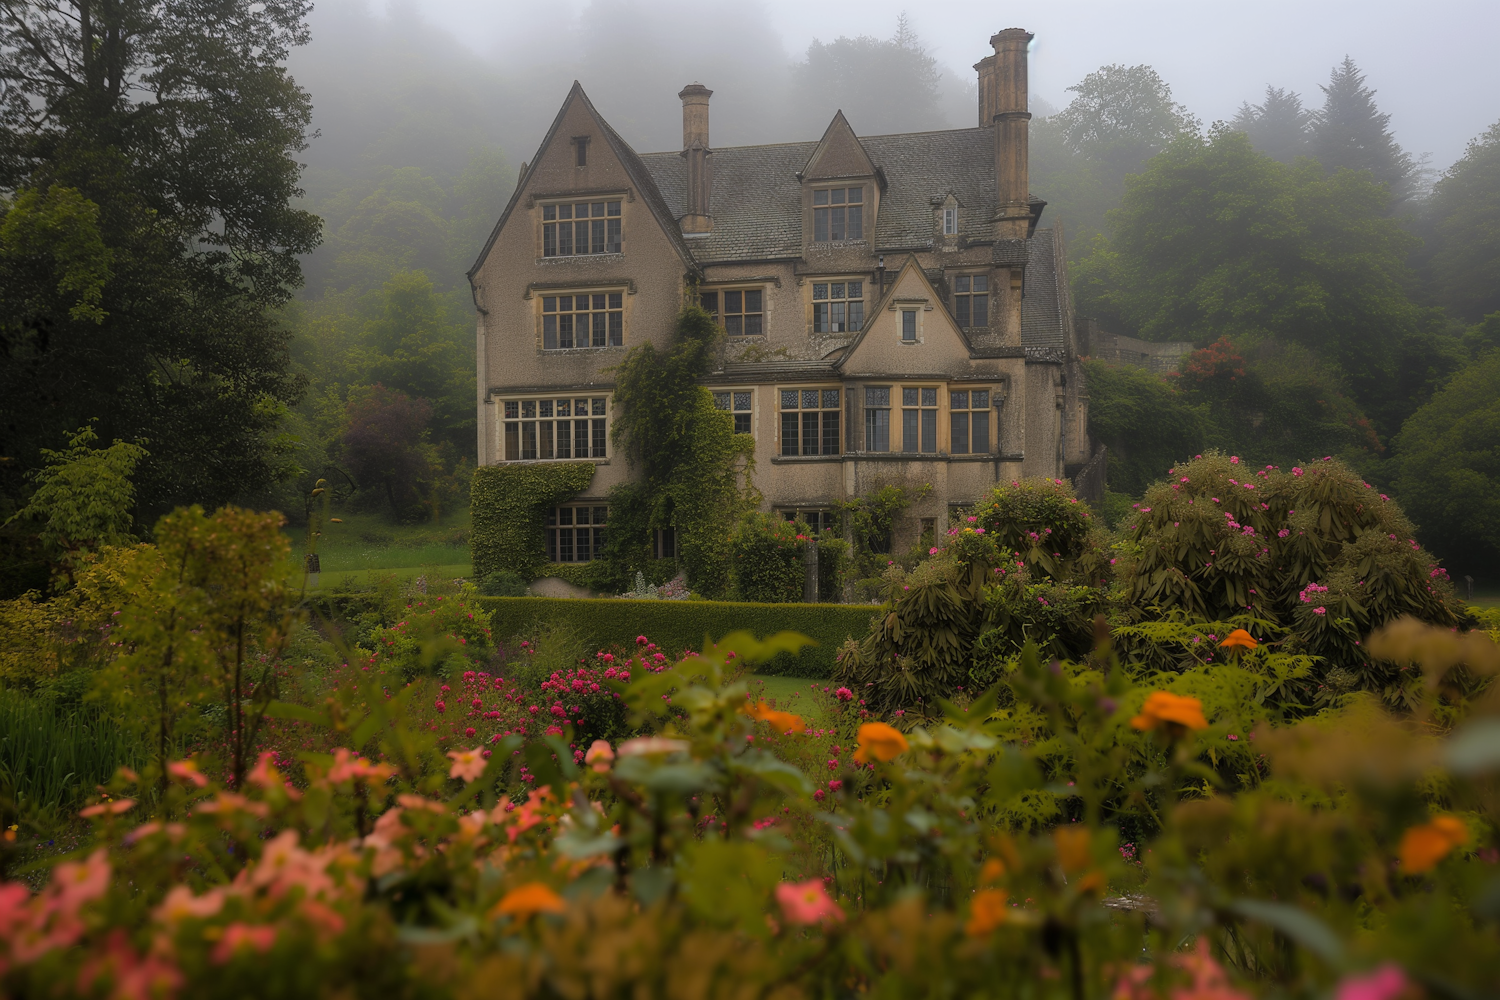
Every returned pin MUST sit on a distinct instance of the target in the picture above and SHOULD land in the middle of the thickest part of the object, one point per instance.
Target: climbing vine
(510, 504)
(695, 468)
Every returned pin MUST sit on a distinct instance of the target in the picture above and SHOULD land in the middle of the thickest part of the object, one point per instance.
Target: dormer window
(838, 214)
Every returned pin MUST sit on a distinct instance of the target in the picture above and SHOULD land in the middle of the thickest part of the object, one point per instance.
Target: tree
(1216, 239)
(1280, 127)
(384, 444)
(1146, 422)
(881, 85)
(151, 146)
(1121, 117)
(1448, 456)
(1350, 132)
(1464, 213)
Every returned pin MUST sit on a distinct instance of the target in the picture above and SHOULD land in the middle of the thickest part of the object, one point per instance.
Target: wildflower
(884, 743)
(1422, 847)
(1239, 637)
(467, 764)
(181, 904)
(1174, 712)
(110, 808)
(533, 897)
(599, 756)
(844, 694)
(187, 771)
(807, 903)
(78, 882)
(986, 912)
(1386, 983)
(782, 722)
(237, 937)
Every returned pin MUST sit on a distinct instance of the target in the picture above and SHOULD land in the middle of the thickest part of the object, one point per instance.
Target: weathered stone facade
(938, 301)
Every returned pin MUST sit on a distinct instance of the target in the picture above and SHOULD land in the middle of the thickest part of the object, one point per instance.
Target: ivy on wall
(510, 504)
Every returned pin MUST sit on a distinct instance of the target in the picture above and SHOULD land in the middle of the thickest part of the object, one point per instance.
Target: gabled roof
(838, 153)
(635, 169)
(939, 305)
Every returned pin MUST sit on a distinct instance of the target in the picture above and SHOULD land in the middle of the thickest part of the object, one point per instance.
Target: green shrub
(1048, 528)
(676, 626)
(438, 634)
(503, 583)
(510, 504)
(767, 554)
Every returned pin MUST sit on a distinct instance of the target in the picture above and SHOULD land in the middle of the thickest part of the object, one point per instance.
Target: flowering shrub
(437, 634)
(767, 553)
(1050, 529)
(977, 855)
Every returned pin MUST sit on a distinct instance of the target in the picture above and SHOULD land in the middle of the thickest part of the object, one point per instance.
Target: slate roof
(756, 202)
(1044, 317)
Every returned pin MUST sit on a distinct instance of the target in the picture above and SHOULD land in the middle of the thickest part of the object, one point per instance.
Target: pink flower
(932, 551)
(187, 770)
(807, 903)
(1386, 983)
(600, 754)
(1320, 611)
(844, 694)
(238, 936)
(467, 764)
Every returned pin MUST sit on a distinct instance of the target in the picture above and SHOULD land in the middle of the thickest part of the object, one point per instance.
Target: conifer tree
(1351, 131)
(1279, 127)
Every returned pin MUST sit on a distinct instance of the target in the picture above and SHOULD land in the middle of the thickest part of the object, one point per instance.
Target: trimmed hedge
(679, 625)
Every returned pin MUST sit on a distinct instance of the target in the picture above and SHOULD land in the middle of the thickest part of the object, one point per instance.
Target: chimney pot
(1005, 99)
(695, 150)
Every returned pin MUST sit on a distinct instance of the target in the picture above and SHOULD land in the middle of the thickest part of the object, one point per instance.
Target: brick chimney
(1003, 96)
(700, 164)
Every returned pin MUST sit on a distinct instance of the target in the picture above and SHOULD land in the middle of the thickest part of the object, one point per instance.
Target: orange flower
(1422, 847)
(986, 912)
(1175, 712)
(533, 897)
(782, 722)
(1239, 637)
(1072, 847)
(993, 871)
(880, 741)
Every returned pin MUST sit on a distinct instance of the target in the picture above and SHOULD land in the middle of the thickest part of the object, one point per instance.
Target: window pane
(810, 433)
(598, 225)
(820, 197)
(981, 399)
(565, 330)
(981, 310)
(742, 400)
(601, 514)
(552, 545)
(581, 238)
(856, 195)
(512, 410)
(856, 223)
(911, 423)
(909, 325)
(601, 322)
(856, 315)
(831, 432)
(710, 301)
(734, 325)
(836, 196)
(981, 282)
(584, 551)
(836, 291)
(742, 423)
(598, 210)
(564, 439)
(549, 211)
(565, 239)
(908, 397)
(600, 437)
(754, 325)
(549, 240)
(836, 223)
(616, 329)
(528, 439)
(546, 449)
(616, 300)
(959, 401)
(877, 395)
(929, 431)
(512, 442)
(809, 399)
(565, 303)
(752, 301)
(732, 302)
(546, 406)
(877, 430)
(528, 408)
(580, 438)
(929, 397)
(599, 406)
(981, 442)
(788, 399)
(820, 292)
(549, 333)
(959, 438)
(614, 208)
(820, 317)
(856, 289)
(789, 433)
(599, 301)
(820, 225)
(961, 309)
(580, 515)
(721, 400)
(961, 283)
(565, 545)
(830, 399)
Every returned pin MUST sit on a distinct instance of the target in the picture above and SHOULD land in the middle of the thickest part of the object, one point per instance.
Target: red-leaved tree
(385, 443)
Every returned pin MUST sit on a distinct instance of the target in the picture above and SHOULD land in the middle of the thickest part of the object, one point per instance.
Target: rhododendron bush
(712, 854)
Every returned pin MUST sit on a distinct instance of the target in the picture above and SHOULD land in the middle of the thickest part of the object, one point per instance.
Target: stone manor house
(894, 312)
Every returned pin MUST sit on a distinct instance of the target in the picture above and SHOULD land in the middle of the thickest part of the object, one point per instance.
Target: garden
(1246, 745)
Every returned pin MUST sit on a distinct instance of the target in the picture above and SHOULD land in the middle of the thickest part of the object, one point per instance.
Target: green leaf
(301, 713)
(1299, 925)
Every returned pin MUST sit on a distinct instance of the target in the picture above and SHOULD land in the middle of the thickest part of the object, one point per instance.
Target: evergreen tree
(1279, 127)
(1351, 132)
(1464, 215)
(882, 85)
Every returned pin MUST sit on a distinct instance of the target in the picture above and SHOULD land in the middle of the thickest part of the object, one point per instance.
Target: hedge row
(679, 625)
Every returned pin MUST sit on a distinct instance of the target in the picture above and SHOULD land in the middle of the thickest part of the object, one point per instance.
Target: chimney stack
(695, 150)
(1003, 96)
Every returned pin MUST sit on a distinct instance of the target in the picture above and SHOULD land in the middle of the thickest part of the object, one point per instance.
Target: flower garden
(1247, 746)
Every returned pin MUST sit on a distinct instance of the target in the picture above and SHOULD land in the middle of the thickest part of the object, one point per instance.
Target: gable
(940, 345)
(839, 154)
(611, 165)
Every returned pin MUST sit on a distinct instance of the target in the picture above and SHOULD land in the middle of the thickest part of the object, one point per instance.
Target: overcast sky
(1433, 64)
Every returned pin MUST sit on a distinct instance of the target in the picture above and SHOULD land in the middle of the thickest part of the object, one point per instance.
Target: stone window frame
(864, 301)
(743, 418)
(720, 292)
(556, 522)
(613, 236)
(989, 409)
(830, 403)
(914, 402)
(955, 294)
(514, 434)
(826, 191)
(610, 310)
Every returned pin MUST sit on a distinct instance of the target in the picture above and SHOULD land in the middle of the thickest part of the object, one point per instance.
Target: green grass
(366, 546)
(51, 760)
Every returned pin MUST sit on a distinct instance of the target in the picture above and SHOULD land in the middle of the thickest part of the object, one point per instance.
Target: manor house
(894, 312)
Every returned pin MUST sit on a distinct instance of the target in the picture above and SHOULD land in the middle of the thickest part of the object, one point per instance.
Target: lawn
(366, 546)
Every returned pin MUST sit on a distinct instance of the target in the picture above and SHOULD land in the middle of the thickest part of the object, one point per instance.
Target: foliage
(681, 625)
(1350, 133)
(1464, 215)
(52, 758)
(438, 634)
(83, 498)
(996, 851)
(510, 503)
(1047, 527)
(1146, 421)
(695, 468)
(871, 519)
(882, 85)
(1215, 239)
(503, 583)
(1449, 477)
(152, 148)
(1316, 549)
(1280, 126)
(769, 554)
(383, 443)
